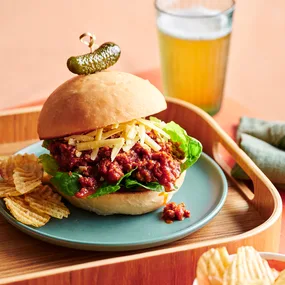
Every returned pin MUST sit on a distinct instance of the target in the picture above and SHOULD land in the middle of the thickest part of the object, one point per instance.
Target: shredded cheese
(116, 150)
(99, 134)
(165, 197)
(115, 126)
(154, 127)
(142, 133)
(129, 144)
(92, 134)
(127, 135)
(100, 143)
(132, 132)
(111, 133)
(71, 141)
(150, 142)
(94, 153)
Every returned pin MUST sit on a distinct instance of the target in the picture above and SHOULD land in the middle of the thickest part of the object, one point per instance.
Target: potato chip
(6, 169)
(24, 213)
(47, 193)
(27, 173)
(27, 163)
(275, 273)
(202, 267)
(25, 182)
(258, 282)
(281, 278)
(7, 190)
(217, 265)
(248, 267)
(47, 202)
(56, 210)
(212, 265)
(22, 175)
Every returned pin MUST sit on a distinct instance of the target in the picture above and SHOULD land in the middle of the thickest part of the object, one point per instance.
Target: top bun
(87, 102)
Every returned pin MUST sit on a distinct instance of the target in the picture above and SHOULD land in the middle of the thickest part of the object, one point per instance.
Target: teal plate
(204, 192)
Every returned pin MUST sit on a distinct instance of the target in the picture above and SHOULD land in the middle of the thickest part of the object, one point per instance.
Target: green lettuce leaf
(154, 119)
(46, 143)
(66, 182)
(105, 189)
(191, 147)
(154, 186)
(127, 182)
(127, 175)
(49, 164)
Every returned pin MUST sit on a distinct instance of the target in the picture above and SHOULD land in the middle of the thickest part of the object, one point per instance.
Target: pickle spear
(102, 58)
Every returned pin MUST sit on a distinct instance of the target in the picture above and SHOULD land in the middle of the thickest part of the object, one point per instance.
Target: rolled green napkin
(264, 143)
(271, 132)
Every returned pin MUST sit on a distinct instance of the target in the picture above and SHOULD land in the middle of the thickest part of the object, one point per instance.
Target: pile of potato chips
(28, 200)
(217, 267)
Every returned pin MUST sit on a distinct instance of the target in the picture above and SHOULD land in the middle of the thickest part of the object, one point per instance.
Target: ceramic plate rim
(157, 240)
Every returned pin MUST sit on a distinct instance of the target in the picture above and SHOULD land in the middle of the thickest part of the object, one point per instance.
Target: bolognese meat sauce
(172, 212)
(161, 166)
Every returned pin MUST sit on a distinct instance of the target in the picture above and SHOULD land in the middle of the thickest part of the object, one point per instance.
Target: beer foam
(193, 24)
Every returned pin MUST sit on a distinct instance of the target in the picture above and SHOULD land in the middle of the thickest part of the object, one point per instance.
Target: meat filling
(161, 166)
(172, 212)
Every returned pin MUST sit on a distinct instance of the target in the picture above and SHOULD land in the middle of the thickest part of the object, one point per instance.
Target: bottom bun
(127, 203)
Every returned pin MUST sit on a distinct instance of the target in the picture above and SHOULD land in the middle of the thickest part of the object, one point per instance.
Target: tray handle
(262, 196)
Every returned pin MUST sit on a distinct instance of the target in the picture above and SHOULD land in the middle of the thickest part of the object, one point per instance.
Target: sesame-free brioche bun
(127, 203)
(88, 102)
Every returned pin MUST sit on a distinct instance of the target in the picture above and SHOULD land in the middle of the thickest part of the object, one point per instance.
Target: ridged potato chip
(6, 170)
(281, 278)
(27, 173)
(29, 163)
(22, 177)
(21, 160)
(24, 213)
(25, 182)
(47, 193)
(248, 267)
(212, 265)
(7, 190)
(46, 201)
(258, 282)
(23, 171)
(218, 263)
(275, 273)
(202, 267)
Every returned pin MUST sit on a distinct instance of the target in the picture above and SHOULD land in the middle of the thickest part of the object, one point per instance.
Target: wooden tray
(247, 217)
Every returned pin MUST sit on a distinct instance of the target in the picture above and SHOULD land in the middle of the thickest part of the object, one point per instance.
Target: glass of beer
(194, 37)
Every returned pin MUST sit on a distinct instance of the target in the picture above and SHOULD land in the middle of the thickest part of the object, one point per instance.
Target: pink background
(37, 37)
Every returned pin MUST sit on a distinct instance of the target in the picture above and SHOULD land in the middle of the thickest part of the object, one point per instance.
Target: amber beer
(194, 54)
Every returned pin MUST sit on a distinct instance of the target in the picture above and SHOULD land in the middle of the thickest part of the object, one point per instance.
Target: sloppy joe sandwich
(107, 153)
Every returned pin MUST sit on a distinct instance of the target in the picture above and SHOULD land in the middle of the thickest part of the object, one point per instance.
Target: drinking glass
(194, 38)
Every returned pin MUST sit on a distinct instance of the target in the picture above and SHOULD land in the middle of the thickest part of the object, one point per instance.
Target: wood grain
(19, 124)
(246, 218)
